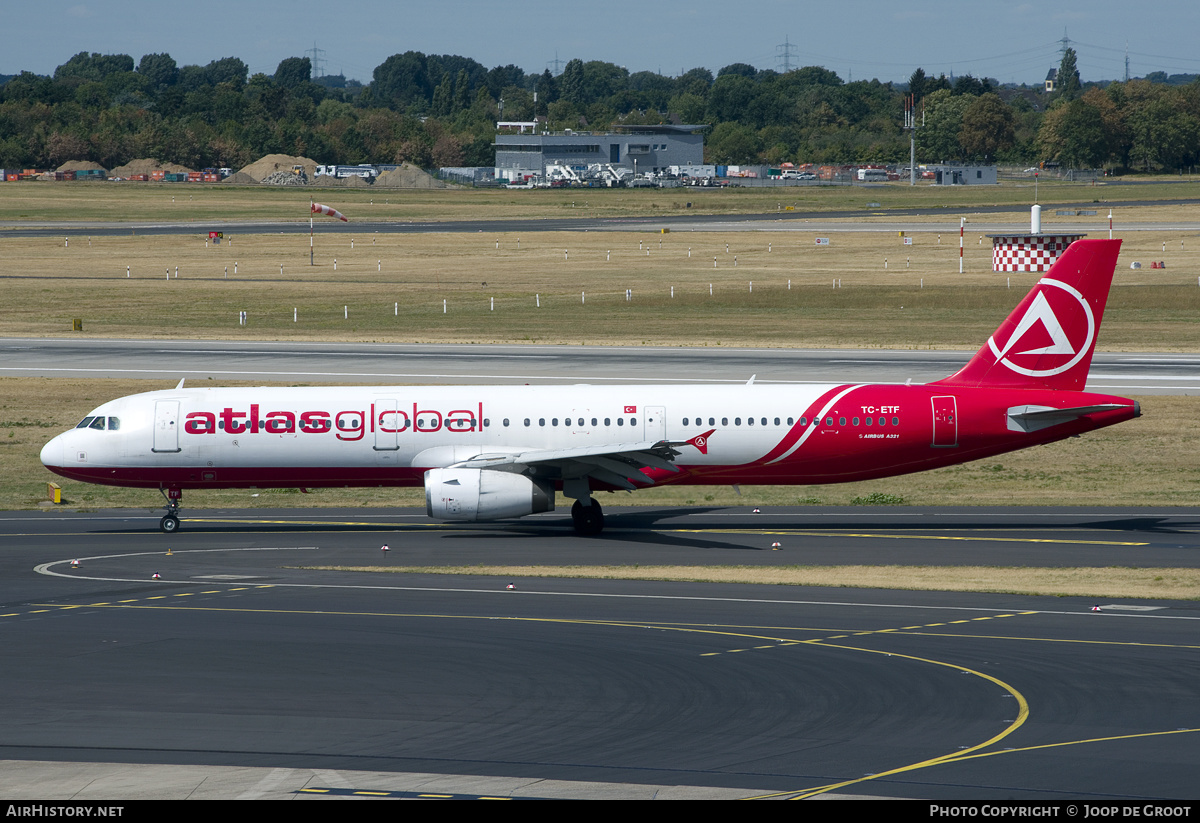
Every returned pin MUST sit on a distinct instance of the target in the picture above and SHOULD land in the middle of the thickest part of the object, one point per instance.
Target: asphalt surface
(244, 672)
(1128, 372)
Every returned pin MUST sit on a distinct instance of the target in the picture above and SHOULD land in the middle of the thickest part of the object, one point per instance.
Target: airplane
(487, 453)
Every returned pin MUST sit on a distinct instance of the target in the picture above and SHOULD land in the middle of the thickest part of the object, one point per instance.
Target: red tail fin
(1047, 341)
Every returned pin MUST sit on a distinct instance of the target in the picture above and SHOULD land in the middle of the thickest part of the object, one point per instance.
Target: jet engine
(469, 495)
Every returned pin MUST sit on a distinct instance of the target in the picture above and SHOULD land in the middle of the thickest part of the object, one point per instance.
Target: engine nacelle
(480, 494)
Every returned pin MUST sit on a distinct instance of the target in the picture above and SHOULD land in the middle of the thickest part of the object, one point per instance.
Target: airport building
(963, 175)
(640, 149)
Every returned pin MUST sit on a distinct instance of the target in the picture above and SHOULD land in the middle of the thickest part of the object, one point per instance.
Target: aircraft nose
(53, 452)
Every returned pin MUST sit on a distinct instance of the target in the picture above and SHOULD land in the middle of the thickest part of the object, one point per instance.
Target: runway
(244, 671)
(365, 363)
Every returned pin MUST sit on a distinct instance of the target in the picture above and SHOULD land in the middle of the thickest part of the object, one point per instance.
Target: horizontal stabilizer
(1036, 418)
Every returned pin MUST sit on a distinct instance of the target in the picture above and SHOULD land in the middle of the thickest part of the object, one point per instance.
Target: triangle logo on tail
(1040, 311)
(1054, 300)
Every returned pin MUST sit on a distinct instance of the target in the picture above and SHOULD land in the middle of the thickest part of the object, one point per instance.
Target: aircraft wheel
(169, 524)
(587, 519)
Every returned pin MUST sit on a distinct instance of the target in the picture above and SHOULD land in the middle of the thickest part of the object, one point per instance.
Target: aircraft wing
(614, 464)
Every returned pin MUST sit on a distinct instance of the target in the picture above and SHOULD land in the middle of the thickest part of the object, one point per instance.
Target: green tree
(159, 70)
(916, 84)
(938, 138)
(1068, 77)
(293, 72)
(987, 127)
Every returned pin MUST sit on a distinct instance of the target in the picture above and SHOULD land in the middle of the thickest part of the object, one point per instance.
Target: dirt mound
(146, 165)
(279, 162)
(239, 178)
(409, 177)
(285, 178)
(78, 165)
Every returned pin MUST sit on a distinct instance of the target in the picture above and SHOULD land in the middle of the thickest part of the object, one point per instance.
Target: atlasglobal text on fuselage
(494, 452)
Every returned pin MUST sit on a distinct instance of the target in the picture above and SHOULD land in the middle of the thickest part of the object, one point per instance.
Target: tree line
(440, 110)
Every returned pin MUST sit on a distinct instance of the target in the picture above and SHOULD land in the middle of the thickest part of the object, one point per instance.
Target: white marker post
(962, 222)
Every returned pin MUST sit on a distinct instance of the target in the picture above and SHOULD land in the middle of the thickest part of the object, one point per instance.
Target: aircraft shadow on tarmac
(670, 526)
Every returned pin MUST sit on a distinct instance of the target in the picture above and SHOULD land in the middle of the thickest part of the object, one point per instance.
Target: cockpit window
(114, 423)
(97, 423)
(85, 422)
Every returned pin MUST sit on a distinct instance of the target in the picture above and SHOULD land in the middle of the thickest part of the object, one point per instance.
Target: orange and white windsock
(317, 208)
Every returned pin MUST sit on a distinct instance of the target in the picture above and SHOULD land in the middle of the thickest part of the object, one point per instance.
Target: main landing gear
(588, 517)
(170, 522)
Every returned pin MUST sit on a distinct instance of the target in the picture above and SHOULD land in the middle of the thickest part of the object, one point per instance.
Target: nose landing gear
(170, 522)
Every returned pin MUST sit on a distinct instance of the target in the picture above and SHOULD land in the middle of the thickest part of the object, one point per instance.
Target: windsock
(317, 208)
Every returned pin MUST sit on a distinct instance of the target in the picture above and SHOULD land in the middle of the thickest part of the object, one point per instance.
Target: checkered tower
(1029, 252)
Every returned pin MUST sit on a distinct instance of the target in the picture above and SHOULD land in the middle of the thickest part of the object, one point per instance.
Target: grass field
(767, 289)
(94, 201)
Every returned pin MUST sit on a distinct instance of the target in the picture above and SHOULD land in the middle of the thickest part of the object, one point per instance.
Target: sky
(857, 39)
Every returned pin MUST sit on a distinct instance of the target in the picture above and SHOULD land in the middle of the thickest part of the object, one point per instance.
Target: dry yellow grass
(1151, 584)
(920, 300)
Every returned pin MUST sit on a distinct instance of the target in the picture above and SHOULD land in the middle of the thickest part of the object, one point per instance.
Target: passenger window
(749, 421)
(764, 421)
(527, 422)
(633, 421)
(620, 421)
(895, 421)
(608, 421)
(506, 422)
(870, 420)
(855, 421)
(777, 421)
(883, 421)
(685, 420)
(841, 421)
(554, 421)
(724, 421)
(593, 421)
(712, 421)
(737, 421)
(541, 421)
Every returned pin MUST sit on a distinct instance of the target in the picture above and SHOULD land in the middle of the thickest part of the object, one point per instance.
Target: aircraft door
(945, 422)
(389, 422)
(656, 422)
(166, 426)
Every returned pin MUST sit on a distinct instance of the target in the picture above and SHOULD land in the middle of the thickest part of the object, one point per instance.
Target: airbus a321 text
(492, 452)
